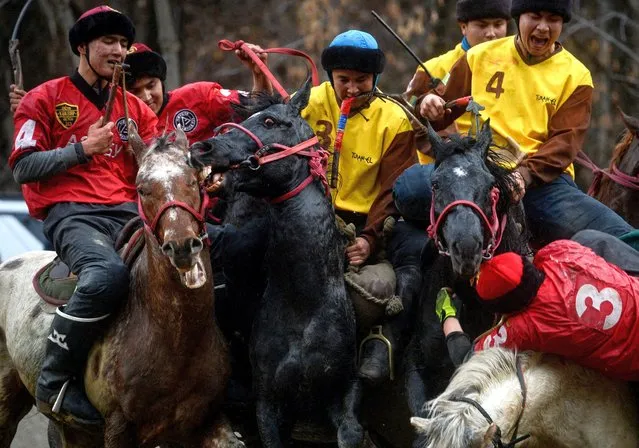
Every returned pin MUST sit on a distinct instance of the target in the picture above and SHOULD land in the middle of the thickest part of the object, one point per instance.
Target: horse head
(171, 205)
(272, 131)
(628, 160)
(469, 200)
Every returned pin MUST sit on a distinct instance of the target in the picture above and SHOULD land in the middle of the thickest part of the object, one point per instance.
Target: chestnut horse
(618, 186)
(159, 373)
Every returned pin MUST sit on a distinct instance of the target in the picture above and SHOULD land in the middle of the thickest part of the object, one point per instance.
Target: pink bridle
(318, 159)
(494, 225)
(200, 216)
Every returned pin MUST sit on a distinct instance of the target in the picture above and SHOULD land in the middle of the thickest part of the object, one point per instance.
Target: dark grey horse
(467, 171)
(303, 340)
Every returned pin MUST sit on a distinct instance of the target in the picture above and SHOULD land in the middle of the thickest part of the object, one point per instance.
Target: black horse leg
(269, 422)
(414, 382)
(345, 417)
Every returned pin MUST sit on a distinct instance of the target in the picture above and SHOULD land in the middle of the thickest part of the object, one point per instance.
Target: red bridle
(317, 159)
(200, 216)
(494, 225)
(614, 174)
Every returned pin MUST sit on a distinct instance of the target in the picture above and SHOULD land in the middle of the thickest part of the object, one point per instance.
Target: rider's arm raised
(566, 134)
(458, 85)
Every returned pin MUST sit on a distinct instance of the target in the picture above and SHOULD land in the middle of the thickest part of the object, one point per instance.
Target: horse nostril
(196, 245)
(168, 249)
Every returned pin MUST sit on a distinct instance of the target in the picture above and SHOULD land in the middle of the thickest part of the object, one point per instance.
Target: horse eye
(269, 122)
(142, 191)
(434, 185)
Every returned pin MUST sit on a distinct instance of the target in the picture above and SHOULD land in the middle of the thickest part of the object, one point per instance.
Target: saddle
(55, 282)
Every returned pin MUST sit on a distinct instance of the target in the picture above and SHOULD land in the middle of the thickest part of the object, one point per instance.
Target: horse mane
(450, 423)
(163, 142)
(620, 149)
(255, 102)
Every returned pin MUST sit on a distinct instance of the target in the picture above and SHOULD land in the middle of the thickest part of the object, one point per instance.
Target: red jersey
(198, 108)
(56, 114)
(586, 310)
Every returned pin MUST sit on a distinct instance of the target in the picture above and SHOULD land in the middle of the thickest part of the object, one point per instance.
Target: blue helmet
(354, 50)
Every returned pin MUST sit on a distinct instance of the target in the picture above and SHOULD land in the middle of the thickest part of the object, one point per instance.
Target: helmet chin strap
(100, 77)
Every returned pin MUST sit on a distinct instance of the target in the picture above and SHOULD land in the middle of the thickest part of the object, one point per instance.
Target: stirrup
(376, 333)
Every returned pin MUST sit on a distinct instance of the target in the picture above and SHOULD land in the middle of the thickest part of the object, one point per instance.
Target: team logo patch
(67, 114)
(185, 119)
(123, 129)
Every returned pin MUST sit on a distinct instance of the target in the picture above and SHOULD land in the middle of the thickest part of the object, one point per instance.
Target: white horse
(566, 406)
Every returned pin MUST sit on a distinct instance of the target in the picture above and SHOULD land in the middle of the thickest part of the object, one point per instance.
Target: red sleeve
(147, 121)
(219, 103)
(32, 126)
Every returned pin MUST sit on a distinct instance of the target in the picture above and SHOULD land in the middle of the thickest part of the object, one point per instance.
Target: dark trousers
(84, 238)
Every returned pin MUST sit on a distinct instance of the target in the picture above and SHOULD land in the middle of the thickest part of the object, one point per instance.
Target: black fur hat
(468, 10)
(144, 62)
(562, 8)
(354, 50)
(97, 22)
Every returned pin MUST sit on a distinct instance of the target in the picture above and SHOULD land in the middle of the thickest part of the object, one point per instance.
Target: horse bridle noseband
(494, 225)
(200, 216)
(496, 440)
(317, 159)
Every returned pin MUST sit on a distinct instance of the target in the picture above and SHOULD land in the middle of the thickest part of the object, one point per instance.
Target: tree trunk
(169, 42)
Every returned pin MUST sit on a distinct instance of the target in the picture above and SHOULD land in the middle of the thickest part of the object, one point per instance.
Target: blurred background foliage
(603, 34)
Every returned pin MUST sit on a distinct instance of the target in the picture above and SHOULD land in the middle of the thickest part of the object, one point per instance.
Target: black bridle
(497, 441)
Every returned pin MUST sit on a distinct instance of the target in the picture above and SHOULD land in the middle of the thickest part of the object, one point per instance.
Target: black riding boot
(60, 387)
(379, 349)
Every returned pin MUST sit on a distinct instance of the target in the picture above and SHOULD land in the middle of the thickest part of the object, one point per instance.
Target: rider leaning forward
(539, 95)
(568, 301)
(78, 177)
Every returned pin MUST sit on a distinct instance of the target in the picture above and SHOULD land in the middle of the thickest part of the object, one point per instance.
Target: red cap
(499, 275)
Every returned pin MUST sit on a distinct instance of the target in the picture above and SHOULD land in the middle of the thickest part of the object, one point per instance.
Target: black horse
(473, 216)
(302, 345)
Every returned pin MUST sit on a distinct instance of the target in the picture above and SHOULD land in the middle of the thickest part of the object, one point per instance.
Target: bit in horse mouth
(195, 277)
(214, 182)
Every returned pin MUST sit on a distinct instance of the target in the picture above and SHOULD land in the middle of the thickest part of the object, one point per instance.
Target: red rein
(227, 45)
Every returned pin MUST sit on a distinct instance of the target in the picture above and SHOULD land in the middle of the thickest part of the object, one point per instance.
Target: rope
(393, 304)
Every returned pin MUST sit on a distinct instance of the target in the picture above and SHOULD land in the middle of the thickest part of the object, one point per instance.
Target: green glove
(444, 306)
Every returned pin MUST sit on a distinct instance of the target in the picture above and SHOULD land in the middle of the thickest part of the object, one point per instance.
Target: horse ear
(484, 139)
(631, 122)
(487, 441)
(181, 140)
(301, 97)
(435, 140)
(420, 424)
(135, 142)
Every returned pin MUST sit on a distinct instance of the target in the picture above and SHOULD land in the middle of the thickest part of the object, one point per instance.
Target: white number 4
(25, 136)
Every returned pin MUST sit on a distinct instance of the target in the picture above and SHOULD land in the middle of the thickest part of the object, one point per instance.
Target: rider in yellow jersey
(479, 21)
(536, 93)
(378, 144)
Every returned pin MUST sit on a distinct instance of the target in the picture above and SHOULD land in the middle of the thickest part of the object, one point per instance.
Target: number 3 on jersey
(495, 85)
(24, 139)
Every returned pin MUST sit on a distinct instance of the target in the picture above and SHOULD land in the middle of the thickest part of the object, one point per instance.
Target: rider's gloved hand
(445, 305)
